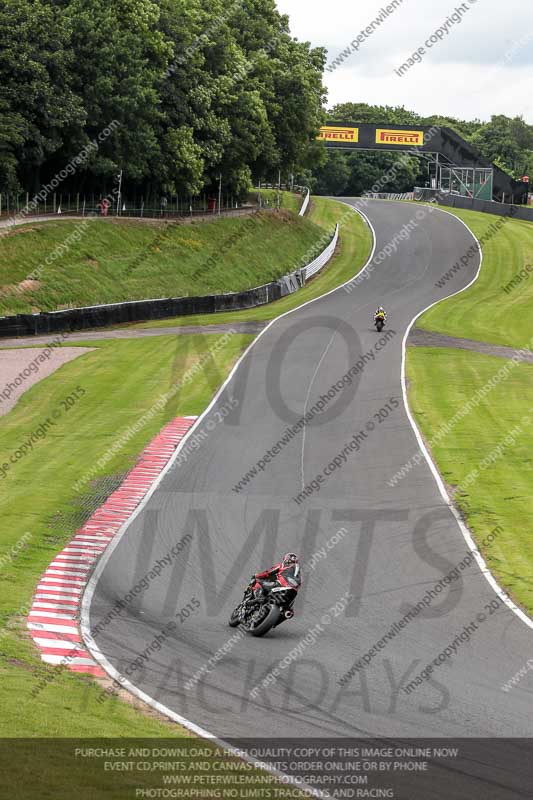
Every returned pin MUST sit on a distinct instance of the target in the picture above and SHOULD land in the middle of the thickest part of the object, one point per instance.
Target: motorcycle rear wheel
(270, 621)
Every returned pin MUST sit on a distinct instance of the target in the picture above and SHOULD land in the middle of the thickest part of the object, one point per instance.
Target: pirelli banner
(378, 137)
(331, 133)
(397, 138)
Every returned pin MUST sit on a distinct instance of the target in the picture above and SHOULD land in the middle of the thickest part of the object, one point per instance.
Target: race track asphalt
(396, 542)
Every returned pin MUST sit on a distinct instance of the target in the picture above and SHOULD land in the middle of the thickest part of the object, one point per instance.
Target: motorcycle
(264, 613)
(379, 322)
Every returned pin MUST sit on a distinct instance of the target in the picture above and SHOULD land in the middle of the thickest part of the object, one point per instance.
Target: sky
(481, 65)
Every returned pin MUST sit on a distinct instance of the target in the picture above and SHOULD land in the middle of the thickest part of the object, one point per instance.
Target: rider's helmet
(381, 310)
(289, 558)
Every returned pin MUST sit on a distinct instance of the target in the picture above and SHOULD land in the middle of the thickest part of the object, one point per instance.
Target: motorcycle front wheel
(234, 619)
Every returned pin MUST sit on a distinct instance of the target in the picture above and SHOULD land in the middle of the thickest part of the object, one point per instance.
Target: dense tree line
(195, 89)
(199, 88)
(508, 142)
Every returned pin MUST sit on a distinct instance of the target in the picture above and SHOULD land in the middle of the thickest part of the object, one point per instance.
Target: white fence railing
(390, 195)
(305, 204)
(316, 265)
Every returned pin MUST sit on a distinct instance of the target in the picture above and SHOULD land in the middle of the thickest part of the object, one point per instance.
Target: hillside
(97, 261)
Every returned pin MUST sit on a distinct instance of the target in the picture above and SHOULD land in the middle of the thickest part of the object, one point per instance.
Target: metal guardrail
(316, 265)
(390, 195)
(305, 204)
(521, 212)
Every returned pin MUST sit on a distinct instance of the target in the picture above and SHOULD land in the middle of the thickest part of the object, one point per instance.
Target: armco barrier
(390, 195)
(488, 207)
(73, 319)
(323, 258)
(305, 204)
(471, 204)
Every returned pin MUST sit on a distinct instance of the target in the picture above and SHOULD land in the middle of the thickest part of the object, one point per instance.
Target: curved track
(399, 541)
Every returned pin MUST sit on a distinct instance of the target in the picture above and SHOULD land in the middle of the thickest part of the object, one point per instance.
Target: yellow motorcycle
(379, 321)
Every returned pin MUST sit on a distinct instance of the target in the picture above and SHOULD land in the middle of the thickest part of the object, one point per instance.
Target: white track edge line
(433, 467)
(462, 527)
(91, 586)
(106, 555)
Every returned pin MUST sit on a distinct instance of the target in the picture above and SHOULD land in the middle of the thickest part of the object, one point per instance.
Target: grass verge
(487, 460)
(97, 261)
(289, 200)
(130, 768)
(352, 253)
(492, 310)
(121, 380)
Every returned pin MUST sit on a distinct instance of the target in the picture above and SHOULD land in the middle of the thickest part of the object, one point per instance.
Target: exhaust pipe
(289, 614)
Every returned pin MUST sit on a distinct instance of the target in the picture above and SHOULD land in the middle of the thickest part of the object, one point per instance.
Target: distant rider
(380, 314)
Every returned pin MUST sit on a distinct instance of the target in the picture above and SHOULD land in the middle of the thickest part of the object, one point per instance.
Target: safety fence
(145, 310)
(7, 223)
(390, 195)
(305, 204)
(21, 206)
(470, 203)
(316, 265)
(132, 212)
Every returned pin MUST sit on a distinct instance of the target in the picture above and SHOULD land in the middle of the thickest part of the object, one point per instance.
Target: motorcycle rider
(380, 313)
(286, 573)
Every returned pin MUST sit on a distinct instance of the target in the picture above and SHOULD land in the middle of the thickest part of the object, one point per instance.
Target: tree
(39, 110)
(194, 89)
(333, 176)
(120, 53)
(507, 141)
(359, 113)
